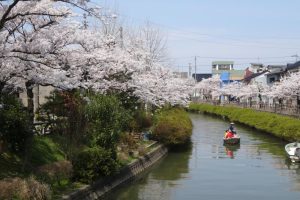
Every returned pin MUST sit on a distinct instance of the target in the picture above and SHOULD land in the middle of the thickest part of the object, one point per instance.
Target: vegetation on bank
(90, 136)
(284, 127)
(172, 127)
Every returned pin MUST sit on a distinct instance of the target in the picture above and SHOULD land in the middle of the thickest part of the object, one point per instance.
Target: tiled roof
(293, 66)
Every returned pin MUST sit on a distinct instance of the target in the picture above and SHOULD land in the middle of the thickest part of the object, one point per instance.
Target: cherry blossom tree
(42, 44)
(209, 87)
(287, 86)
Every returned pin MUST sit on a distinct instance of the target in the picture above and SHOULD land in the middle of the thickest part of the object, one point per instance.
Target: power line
(260, 44)
(228, 37)
(228, 58)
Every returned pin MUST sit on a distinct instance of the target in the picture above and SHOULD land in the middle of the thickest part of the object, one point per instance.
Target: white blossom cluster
(43, 42)
(287, 87)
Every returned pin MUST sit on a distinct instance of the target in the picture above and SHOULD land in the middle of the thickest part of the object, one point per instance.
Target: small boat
(232, 141)
(293, 151)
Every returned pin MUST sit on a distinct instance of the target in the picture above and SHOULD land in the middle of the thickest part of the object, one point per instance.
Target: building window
(271, 80)
(224, 67)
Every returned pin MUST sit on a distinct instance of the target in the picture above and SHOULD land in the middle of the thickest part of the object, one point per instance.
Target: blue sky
(244, 31)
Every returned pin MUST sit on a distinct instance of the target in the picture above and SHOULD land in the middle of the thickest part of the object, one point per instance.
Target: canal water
(256, 169)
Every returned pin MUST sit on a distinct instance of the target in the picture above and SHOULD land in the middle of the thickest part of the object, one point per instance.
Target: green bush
(14, 124)
(284, 127)
(141, 121)
(172, 127)
(94, 163)
(106, 119)
(66, 112)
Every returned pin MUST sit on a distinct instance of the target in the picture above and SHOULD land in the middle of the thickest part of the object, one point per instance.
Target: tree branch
(4, 16)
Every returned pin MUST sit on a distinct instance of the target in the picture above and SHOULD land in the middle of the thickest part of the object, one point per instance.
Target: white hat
(231, 123)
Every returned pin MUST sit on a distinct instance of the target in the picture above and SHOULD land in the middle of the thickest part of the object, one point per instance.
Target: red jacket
(229, 135)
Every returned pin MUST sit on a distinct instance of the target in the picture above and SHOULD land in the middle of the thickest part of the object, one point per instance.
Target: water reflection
(256, 169)
(171, 168)
(230, 149)
(158, 184)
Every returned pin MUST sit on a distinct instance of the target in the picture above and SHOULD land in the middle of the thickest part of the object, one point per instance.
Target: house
(275, 72)
(222, 66)
(265, 75)
(40, 96)
(181, 74)
(226, 71)
(200, 77)
(295, 67)
(259, 77)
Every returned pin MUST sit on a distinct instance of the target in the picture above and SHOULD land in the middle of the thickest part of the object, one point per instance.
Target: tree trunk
(2, 84)
(30, 107)
(30, 104)
(298, 103)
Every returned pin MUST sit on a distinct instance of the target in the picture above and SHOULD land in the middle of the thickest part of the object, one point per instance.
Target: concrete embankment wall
(101, 187)
(287, 128)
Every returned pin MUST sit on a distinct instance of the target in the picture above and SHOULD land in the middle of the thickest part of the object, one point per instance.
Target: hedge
(94, 163)
(284, 127)
(172, 127)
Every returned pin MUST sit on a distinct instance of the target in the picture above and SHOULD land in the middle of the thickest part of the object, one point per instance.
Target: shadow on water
(171, 168)
(168, 171)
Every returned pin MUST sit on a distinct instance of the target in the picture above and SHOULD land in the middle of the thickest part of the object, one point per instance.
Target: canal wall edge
(127, 173)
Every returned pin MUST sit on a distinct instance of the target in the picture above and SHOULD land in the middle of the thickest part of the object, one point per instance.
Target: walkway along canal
(256, 169)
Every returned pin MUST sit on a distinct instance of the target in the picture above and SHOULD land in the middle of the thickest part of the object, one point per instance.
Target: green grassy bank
(284, 127)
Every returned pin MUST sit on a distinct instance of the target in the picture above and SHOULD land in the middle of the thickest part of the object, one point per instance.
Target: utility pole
(121, 36)
(296, 57)
(190, 70)
(195, 68)
(85, 23)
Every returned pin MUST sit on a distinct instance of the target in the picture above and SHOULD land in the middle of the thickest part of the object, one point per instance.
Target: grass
(65, 187)
(284, 127)
(10, 165)
(44, 151)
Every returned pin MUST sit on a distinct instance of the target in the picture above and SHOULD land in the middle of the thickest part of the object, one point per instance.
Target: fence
(283, 109)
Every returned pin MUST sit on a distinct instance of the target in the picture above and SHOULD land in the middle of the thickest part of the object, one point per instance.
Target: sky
(243, 31)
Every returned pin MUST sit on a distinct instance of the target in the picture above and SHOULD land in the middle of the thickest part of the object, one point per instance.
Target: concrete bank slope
(129, 172)
(287, 128)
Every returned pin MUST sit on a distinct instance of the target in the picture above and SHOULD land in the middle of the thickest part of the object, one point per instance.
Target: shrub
(14, 124)
(143, 120)
(66, 112)
(25, 189)
(107, 118)
(94, 163)
(172, 127)
(128, 139)
(142, 151)
(284, 127)
(56, 171)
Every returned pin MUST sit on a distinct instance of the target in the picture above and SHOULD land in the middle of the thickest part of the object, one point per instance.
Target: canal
(256, 169)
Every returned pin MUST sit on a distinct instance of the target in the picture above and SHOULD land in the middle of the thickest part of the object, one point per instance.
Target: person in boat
(228, 134)
(231, 128)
